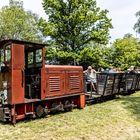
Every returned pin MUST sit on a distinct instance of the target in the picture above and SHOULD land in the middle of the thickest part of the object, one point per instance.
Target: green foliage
(91, 56)
(16, 23)
(56, 56)
(121, 54)
(72, 24)
(95, 55)
(108, 57)
(126, 52)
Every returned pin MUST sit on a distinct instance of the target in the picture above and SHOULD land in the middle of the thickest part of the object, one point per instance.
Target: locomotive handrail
(22, 71)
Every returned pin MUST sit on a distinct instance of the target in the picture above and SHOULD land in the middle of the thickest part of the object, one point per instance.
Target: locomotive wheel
(55, 107)
(40, 111)
(68, 106)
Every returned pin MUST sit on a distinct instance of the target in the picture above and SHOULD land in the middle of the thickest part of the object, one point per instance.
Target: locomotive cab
(33, 65)
(20, 71)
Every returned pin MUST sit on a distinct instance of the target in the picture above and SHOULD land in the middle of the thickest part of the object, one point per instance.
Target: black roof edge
(2, 42)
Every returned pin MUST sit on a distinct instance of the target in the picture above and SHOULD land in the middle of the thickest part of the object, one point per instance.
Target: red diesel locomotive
(28, 87)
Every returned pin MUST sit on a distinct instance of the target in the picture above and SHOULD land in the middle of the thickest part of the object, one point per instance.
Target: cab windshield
(35, 58)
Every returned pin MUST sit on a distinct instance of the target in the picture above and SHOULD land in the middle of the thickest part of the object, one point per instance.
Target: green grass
(117, 119)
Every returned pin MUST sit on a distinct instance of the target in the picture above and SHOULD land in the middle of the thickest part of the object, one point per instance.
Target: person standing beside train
(91, 76)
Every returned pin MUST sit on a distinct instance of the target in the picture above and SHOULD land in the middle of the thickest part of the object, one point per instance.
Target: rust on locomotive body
(28, 87)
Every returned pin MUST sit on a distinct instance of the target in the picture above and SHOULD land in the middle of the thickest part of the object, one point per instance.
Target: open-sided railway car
(28, 87)
(107, 85)
(111, 84)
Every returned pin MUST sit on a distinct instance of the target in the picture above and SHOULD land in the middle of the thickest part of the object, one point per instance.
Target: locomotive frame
(29, 88)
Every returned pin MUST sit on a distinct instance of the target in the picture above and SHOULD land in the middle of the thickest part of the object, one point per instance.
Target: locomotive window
(38, 55)
(30, 58)
(1, 59)
(2, 56)
(5, 57)
(7, 53)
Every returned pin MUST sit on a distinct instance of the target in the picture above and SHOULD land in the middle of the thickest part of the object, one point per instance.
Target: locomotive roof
(2, 42)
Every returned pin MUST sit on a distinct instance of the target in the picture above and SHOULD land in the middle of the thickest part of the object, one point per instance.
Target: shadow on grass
(100, 99)
(30, 119)
(132, 104)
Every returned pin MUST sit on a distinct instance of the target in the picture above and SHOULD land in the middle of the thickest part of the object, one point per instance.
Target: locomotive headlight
(5, 94)
(5, 84)
(5, 90)
(1, 97)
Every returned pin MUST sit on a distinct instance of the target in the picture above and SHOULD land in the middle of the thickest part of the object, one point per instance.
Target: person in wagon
(91, 76)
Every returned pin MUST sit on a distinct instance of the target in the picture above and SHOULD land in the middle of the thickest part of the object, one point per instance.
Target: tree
(16, 23)
(126, 52)
(93, 55)
(72, 24)
(108, 57)
(128, 35)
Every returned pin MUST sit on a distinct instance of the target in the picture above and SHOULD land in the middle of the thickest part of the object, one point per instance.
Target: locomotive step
(29, 113)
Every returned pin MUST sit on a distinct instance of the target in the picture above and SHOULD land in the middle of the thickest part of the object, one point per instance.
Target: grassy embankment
(117, 119)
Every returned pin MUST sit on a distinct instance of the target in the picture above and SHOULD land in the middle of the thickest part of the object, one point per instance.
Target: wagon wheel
(40, 111)
(68, 105)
